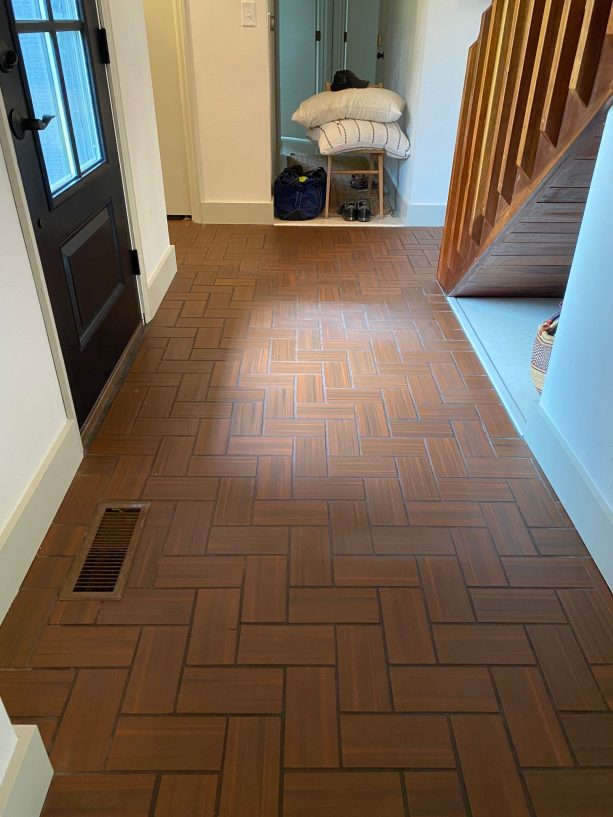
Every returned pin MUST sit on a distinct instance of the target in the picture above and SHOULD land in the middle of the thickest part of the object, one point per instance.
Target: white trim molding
(26, 782)
(26, 529)
(237, 212)
(157, 285)
(580, 496)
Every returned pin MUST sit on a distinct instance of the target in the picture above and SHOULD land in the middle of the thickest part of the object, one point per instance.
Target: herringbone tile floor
(355, 595)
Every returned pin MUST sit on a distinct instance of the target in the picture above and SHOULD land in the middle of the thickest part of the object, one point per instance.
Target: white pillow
(358, 134)
(374, 104)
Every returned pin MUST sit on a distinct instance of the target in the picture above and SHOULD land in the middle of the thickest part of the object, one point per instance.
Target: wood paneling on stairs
(355, 595)
(538, 81)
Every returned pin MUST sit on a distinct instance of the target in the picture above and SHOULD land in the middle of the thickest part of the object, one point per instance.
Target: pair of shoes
(359, 181)
(356, 210)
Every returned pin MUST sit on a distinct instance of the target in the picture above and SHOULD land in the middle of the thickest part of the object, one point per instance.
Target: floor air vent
(101, 569)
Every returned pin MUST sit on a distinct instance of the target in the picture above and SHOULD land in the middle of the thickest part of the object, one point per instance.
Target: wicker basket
(541, 355)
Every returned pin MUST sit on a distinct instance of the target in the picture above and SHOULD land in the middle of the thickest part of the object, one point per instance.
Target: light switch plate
(249, 13)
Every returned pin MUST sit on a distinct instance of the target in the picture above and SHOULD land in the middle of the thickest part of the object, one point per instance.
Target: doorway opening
(314, 40)
(166, 23)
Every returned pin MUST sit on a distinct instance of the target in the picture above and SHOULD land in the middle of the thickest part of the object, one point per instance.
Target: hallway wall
(575, 409)
(32, 412)
(426, 46)
(232, 74)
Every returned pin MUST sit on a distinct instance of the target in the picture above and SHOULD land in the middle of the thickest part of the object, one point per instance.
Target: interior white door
(362, 33)
(162, 35)
(299, 54)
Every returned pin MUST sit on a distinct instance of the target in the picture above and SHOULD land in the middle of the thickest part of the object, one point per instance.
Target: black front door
(56, 95)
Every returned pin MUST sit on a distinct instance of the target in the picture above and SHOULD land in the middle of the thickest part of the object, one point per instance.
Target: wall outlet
(249, 13)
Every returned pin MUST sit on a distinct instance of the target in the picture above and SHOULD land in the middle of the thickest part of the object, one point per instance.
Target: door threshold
(95, 418)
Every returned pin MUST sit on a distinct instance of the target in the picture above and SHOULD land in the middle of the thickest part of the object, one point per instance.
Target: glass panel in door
(45, 90)
(57, 66)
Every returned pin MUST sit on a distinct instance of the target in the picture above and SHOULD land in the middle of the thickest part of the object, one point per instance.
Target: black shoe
(349, 211)
(364, 211)
(347, 79)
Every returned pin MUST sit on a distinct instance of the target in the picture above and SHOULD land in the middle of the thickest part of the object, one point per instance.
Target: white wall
(138, 140)
(578, 393)
(573, 430)
(32, 412)
(231, 74)
(426, 46)
(162, 39)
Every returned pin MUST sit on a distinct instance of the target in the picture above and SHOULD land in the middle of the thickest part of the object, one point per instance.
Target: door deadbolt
(9, 59)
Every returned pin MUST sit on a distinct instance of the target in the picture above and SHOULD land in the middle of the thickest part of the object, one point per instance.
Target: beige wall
(231, 73)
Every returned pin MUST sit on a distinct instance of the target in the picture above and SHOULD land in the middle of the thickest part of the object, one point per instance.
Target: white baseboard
(237, 212)
(582, 500)
(155, 287)
(417, 215)
(26, 529)
(25, 785)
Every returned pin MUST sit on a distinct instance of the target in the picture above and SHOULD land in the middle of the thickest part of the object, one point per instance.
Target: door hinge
(103, 46)
(135, 262)
(318, 36)
(345, 37)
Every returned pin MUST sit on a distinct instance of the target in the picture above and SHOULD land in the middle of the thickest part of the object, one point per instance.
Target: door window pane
(78, 82)
(30, 9)
(45, 89)
(65, 10)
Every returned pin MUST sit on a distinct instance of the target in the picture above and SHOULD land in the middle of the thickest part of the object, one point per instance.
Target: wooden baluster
(541, 78)
(508, 172)
(492, 131)
(589, 49)
(561, 68)
(455, 184)
(513, 75)
(468, 151)
(479, 124)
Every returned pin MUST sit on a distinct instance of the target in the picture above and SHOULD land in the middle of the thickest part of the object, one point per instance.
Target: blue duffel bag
(300, 196)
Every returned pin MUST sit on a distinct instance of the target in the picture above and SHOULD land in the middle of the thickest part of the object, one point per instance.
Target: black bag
(300, 196)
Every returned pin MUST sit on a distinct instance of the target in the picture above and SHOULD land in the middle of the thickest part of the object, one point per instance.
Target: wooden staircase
(538, 83)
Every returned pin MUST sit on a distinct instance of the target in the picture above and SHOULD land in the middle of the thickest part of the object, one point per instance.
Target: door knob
(21, 124)
(8, 58)
(380, 55)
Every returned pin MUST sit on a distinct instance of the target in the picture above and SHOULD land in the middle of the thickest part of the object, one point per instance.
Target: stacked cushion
(374, 104)
(355, 119)
(360, 134)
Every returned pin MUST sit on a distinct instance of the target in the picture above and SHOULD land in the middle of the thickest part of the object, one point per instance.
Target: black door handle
(380, 55)
(8, 58)
(21, 124)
